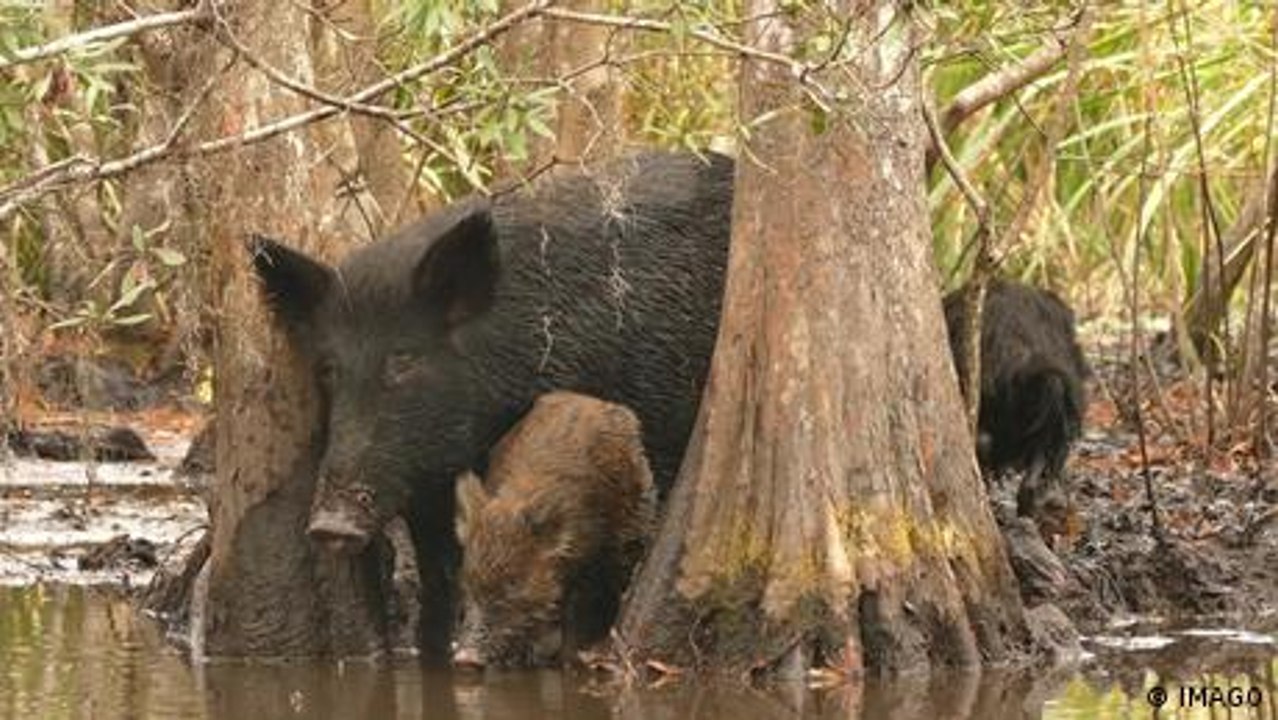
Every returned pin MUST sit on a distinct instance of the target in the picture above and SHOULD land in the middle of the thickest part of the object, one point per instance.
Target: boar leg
(430, 519)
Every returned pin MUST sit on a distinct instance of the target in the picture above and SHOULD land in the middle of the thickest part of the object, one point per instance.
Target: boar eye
(400, 368)
(364, 498)
(538, 526)
(327, 374)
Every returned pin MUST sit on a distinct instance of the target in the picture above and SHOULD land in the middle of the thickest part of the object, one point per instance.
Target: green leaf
(70, 322)
(130, 295)
(818, 120)
(517, 146)
(130, 320)
(139, 239)
(537, 124)
(169, 256)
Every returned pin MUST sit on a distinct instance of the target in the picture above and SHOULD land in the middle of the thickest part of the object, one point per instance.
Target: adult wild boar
(551, 535)
(430, 344)
(1032, 395)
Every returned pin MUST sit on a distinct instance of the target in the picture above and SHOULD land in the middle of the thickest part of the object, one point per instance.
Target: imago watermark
(1207, 696)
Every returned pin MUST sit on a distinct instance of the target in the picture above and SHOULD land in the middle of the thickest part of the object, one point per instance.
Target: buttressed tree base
(829, 512)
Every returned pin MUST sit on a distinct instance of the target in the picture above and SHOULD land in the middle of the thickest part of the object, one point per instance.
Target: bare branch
(79, 168)
(974, 297)
(1205, 306)
(200, 12)
(984, 264)
(1040, 174)
(353, 102)
(227, 37)
(1004, 82)
(801, 71)
(979, 206)
(84, 169)
(647, 25)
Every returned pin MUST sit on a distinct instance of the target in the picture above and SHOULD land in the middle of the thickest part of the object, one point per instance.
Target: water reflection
(75, 653)
(70, 653)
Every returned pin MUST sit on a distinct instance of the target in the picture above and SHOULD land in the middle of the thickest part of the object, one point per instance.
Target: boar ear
(457, 275)
(294, 283)
(471, 498)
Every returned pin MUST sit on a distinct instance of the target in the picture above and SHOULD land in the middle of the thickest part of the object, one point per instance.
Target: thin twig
(227, 37)
(801, 71)
(129, 28)
(979, 206)
(974, 296)
(1053, 131)
(1134, 306)
(1003, 82)
(393, 117)
(1006, 81)
(86, 169)
(1260, 446)
(648, 25)
(64, 172)
(1212, 355)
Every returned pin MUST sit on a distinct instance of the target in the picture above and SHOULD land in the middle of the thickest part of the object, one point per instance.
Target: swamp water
(68, 650)
(76, 652)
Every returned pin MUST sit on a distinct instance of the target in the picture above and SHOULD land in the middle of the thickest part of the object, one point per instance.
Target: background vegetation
(1124, 163)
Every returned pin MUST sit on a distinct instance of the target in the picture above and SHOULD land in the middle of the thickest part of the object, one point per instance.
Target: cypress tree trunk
(265, 590)
(829, 511)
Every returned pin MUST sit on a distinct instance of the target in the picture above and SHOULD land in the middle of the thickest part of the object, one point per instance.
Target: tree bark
(349, 59)
(153, 198)
(265, 590)
(829, 511)
(8, 350)
(587, 123)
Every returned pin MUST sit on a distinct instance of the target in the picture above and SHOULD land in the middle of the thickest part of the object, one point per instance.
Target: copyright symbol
(1156, 696)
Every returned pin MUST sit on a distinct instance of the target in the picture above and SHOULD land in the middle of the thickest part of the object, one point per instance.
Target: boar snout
(468, 658)
(337, 532)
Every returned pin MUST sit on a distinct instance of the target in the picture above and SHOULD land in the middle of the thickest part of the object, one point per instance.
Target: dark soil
(102, 383)
(200, 456)
(1212, 550)
(118, 551)
(103, 443)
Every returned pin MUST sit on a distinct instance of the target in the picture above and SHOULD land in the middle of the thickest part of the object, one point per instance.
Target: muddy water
(69, 651)
(74, 652)
(51, 513)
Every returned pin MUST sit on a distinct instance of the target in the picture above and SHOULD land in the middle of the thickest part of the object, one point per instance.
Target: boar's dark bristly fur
(430, 344)
(1032, 395)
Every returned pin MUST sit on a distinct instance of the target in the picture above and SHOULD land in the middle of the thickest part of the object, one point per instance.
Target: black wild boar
(1032, 396)
(549, 544)
(430, 344)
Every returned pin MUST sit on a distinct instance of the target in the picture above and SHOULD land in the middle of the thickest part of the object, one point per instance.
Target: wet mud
(96, 523)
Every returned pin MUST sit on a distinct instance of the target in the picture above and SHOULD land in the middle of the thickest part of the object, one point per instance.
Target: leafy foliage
(681, 93)
(1143, 64)
(498, 115)
(67, 106)
(1155, 83)
(148, 269)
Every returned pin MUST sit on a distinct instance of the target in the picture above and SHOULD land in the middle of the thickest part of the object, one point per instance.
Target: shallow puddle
(75, 652)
